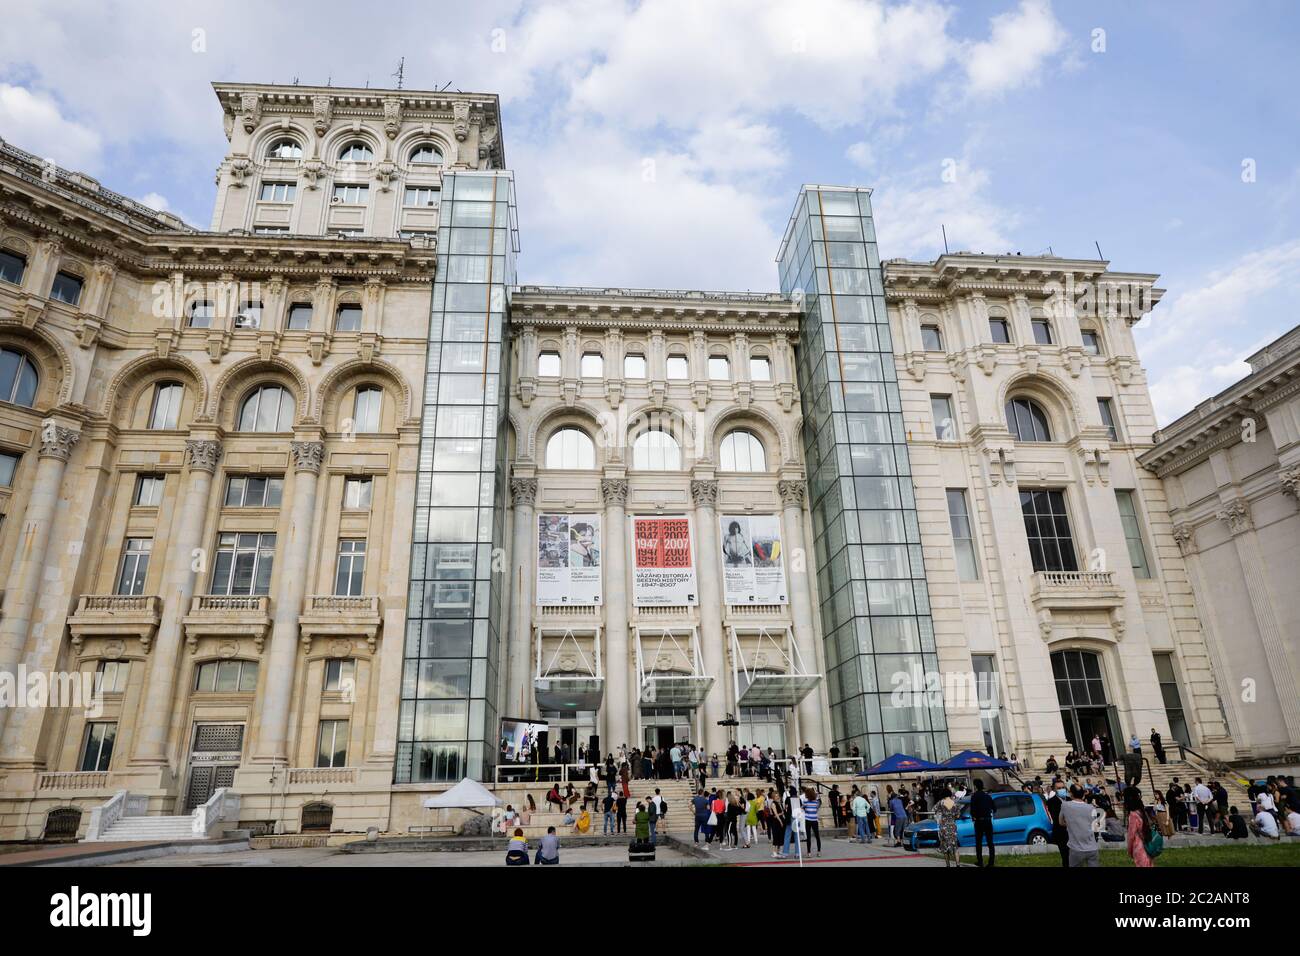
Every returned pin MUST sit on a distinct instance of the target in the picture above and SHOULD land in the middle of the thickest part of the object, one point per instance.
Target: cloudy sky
(661, 143)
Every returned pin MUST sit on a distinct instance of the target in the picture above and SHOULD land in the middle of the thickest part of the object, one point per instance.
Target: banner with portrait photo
(663, 572)
(568, 559)
(753, 567)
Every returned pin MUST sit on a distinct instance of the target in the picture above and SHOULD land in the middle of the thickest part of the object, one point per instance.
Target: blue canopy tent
(897, 765)
(974, 760)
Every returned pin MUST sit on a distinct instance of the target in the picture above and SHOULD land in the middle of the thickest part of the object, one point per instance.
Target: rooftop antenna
(401, 71)
(1098, 245)
(295, 81)
(945, 238)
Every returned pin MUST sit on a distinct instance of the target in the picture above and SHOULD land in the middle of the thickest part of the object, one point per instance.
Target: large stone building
(283, 488)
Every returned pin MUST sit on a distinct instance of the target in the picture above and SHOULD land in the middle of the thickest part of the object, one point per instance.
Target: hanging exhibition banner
(753, 568)
(662, 570)
(568, 559)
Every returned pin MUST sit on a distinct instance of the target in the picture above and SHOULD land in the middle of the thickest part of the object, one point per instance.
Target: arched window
(742, 451)
(427, 153)
(18, 378)
(656, 451)
(165, 412)
(284, 149)
(1027, 420)
(268, 409)
(356, 152)
(570, 448)
(229, 677)
(366, 408)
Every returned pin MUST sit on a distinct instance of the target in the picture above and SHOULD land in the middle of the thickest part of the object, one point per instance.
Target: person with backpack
(1140, 835)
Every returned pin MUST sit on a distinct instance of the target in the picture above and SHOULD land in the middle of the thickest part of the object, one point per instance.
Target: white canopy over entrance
(466, 795)
(670, 667)
(568, 676)
(767, 668)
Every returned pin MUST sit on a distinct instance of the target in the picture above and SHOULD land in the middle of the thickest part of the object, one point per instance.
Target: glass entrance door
(1081, 692)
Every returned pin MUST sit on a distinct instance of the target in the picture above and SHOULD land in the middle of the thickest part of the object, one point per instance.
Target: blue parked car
(1017, 818)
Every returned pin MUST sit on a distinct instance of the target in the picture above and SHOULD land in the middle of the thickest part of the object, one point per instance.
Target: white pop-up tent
(466, 795)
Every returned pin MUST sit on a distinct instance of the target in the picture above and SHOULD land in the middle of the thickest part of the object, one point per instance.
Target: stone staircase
(125, 819)
(1162, 775)
(156, 829)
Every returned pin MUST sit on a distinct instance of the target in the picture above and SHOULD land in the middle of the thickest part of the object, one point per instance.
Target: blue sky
(661, 144)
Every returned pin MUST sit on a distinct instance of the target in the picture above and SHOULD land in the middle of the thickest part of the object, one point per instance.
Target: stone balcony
(48, 784)
(115, 617)
(230, 616)
(316, 777)
(340, 616)
(563, 613)
(1075, 591)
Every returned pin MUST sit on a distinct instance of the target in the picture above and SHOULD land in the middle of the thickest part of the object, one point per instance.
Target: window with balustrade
(1047, 528)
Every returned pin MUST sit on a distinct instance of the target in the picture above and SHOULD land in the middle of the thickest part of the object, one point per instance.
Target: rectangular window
(201, 314)
(110, 676)
(350, 577)
(148, 490)
(226, 677)
(277, 192)
(270, 230)
(66, 288)
(1137, 554)
(945, 425)
(357, 493)
(1173, 700)
(340, 674)
(634, 366)
(366, 408)
(719, 368)
(679, 368)
(1047, 527)
(97, 751)
(421, 196)
(8, 465)
(931, 340)
(243, 563)
(1108, 418)
(760, 370)
(348, 318)
(1042, 331)
(1000, 331)
(134, 567)
(249, 315)
(1091, 342)
(166, 410)
(332, 749)
(12, 267)
(593, 365)
(350, 194)
(253, 491)
(963, 539)
(548, 365)
(299, 317)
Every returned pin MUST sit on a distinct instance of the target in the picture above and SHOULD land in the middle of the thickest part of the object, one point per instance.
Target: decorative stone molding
(460, 120)
(57, 441)
(1290, 480)
(704, 493)
(250, 111)
(792, 493)
(307, 456)
(393, 117)
(1185, 538)
(614, 491)
(312, 171)
(239, 168)
(385, 173)
(1236, 515)
(523, 491)
(322, 108)
(202, 454)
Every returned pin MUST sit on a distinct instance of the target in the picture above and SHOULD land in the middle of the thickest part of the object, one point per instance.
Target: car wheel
(1038, 838)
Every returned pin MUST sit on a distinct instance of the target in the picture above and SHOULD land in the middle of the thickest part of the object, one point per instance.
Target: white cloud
(156, 201)
(738, 148)
(861, 154)
(34, 122)
(911, 209)
(1019, 43)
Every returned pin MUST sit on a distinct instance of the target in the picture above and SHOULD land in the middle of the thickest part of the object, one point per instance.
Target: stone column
(272, 738)
(520, 700)
(811, 722)
(712, 639)
(620, 705)
(24, 579)
(179, 577)
(1236, 515)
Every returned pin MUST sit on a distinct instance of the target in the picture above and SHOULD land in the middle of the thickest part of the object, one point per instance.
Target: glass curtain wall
(447, 723)
(875, 606)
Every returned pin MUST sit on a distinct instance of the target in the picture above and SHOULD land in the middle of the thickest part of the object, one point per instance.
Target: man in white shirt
(1203, 796)
(1265, 825)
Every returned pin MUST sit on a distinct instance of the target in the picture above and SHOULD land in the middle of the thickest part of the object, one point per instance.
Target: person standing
(752, 806)
(811, 808)
(981, 813)
(1081, 842)
(807, 753)
(641, 823)
(1157, 746)
(1139, 828)
(652, 809)
(837, 811)
(1203, 796)
(701, 804)
(859, 808)
(609, 814)
(776, 821)
(1060, 835)
(621, 816)
(945, 812)
(898, 819)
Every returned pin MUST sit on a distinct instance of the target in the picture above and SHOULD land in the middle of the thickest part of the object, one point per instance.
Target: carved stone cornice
(614, 491)
(792, 493)
(523, 491)
(1236, 515)
(704, 492)
(202, 454)
(307, 456)
(57, 442)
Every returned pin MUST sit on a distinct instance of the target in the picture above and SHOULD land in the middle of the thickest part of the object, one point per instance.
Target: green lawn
(1282, 854)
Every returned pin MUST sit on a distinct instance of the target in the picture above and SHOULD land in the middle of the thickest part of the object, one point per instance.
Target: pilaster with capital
(704, 493)
(519, 690)
(798, 564)
(620, 707)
